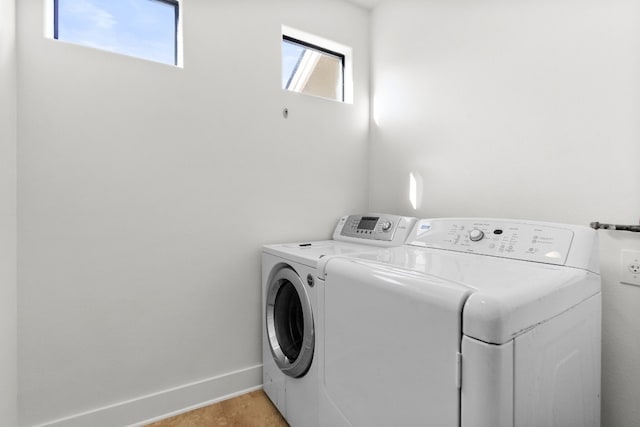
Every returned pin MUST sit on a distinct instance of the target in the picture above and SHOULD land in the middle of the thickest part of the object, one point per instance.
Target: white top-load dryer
(289, 308)
(473, 323)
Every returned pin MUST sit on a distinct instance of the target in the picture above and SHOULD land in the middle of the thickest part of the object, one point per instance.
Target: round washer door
(290, 323)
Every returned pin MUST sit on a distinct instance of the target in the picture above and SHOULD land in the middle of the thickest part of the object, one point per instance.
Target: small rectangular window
(145, 29)
(312, 69)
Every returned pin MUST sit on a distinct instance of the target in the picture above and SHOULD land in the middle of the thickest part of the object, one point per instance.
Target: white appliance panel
(507, 239)
(295, 398)
(376, 229)
(487, 382)
(391, 345)
(534, 241)
(557, 367)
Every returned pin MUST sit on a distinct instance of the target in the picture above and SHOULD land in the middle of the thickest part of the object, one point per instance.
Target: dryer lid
(506, 297)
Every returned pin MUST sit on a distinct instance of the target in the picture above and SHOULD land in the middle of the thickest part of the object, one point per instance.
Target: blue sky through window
(141, 28)
(291, 53)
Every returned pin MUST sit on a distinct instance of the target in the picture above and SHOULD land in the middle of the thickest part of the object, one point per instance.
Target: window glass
(142, 28)
(312, 69)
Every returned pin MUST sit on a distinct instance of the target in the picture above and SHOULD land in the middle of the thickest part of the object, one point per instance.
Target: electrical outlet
(630, 268)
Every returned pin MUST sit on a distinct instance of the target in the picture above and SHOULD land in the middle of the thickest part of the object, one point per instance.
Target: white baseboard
(167, 403)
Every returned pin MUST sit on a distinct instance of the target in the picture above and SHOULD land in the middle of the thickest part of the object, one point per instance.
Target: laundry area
(145, 202)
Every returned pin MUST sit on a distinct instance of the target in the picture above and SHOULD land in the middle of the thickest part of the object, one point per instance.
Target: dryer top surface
(506, 296)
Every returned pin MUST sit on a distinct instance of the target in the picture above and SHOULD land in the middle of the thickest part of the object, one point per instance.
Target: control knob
(476, 235)
(386, 225)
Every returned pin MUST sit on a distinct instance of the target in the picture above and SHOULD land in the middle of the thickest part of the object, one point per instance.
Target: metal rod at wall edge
(602, 226)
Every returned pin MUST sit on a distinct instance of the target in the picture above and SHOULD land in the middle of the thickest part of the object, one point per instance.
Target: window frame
(176, 28)
(324, 50)
(339, 47)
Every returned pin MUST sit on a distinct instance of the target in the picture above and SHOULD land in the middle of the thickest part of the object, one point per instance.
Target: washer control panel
(530, 241)
(368, 227)
(374, 227)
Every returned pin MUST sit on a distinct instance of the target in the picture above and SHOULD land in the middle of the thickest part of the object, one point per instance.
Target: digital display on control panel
(367, 223)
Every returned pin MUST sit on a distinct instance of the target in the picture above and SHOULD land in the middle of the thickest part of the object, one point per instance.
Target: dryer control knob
(476, 235)
(386, 225)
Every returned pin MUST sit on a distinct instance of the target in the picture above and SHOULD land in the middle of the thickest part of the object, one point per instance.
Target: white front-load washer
(289, 308)
(473, 323)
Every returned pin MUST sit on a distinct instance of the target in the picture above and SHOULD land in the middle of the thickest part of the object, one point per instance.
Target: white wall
(523, 109)
(8, 139)
(146, 192)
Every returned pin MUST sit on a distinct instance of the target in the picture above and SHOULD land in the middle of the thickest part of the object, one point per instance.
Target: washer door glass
(290, 323)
